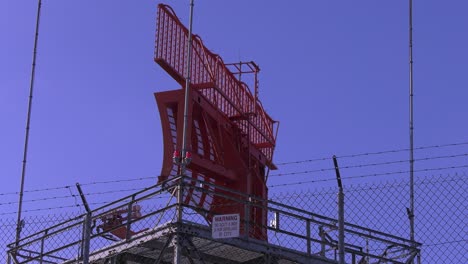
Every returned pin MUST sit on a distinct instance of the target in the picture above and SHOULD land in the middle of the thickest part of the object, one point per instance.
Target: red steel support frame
(230, 135)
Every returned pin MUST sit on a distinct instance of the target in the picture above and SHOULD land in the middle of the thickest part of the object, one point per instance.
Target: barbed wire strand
(71, 206)
(374, 153)
(366, 186)
(284, 163)
(371, 164)
(279, 185)
(84, 184)
(73, 196)
(366, 176)
(117, 181)
(275, 175)
(57, 207)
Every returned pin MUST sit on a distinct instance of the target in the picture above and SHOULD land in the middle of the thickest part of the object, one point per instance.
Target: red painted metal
(230, 136)
(113, 222)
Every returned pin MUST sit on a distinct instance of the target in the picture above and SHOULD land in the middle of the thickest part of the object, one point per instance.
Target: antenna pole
(28, 121)
(187, 89)
(411, 126)
(185, 155)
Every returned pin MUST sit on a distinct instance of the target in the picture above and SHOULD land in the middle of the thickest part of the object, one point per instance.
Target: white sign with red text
(225, 226)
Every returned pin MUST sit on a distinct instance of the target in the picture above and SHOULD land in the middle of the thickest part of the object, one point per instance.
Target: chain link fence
(440, 209)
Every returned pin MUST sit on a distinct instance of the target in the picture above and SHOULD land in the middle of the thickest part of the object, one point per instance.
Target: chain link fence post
(86, 238)
(341, 236)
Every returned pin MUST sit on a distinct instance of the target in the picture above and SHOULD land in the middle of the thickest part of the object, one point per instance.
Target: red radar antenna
(230, 139)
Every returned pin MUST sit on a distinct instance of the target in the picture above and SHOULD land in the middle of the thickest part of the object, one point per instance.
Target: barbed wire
(55, 220)
(112, 191)
(37, 190)
(71, 206)
(117, 181)
(72, 196)
(366, 176)
(41, 209)
(284, 163)
(57, 207)
(69, 188)
(40, 199)
(374, 153)
(275, 175)
(84, 184)
(367, 186)
(137, 189)
(371, 164)
(390, 185)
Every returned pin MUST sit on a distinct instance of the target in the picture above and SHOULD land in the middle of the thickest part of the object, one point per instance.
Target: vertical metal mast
(178, 239)
(411, 126)
(187, 88)
(28, 121)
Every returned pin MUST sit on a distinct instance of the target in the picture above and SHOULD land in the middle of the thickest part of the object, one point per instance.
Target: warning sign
(225, 226)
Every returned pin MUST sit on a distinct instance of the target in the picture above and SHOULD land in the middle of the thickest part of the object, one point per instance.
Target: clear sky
(334, 73)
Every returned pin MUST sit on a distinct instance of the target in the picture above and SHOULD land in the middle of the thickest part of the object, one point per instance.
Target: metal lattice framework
(229, 134)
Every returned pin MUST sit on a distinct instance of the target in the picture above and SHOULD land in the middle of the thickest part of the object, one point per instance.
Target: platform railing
(151, 213)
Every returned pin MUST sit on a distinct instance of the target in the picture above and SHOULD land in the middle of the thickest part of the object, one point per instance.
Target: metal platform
(156, 246)
(150, 226)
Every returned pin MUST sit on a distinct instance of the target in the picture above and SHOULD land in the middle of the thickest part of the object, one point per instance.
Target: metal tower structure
(230, 137)
(228, 152)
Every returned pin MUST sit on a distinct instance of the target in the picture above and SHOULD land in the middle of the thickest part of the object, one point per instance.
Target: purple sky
(334, 73)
